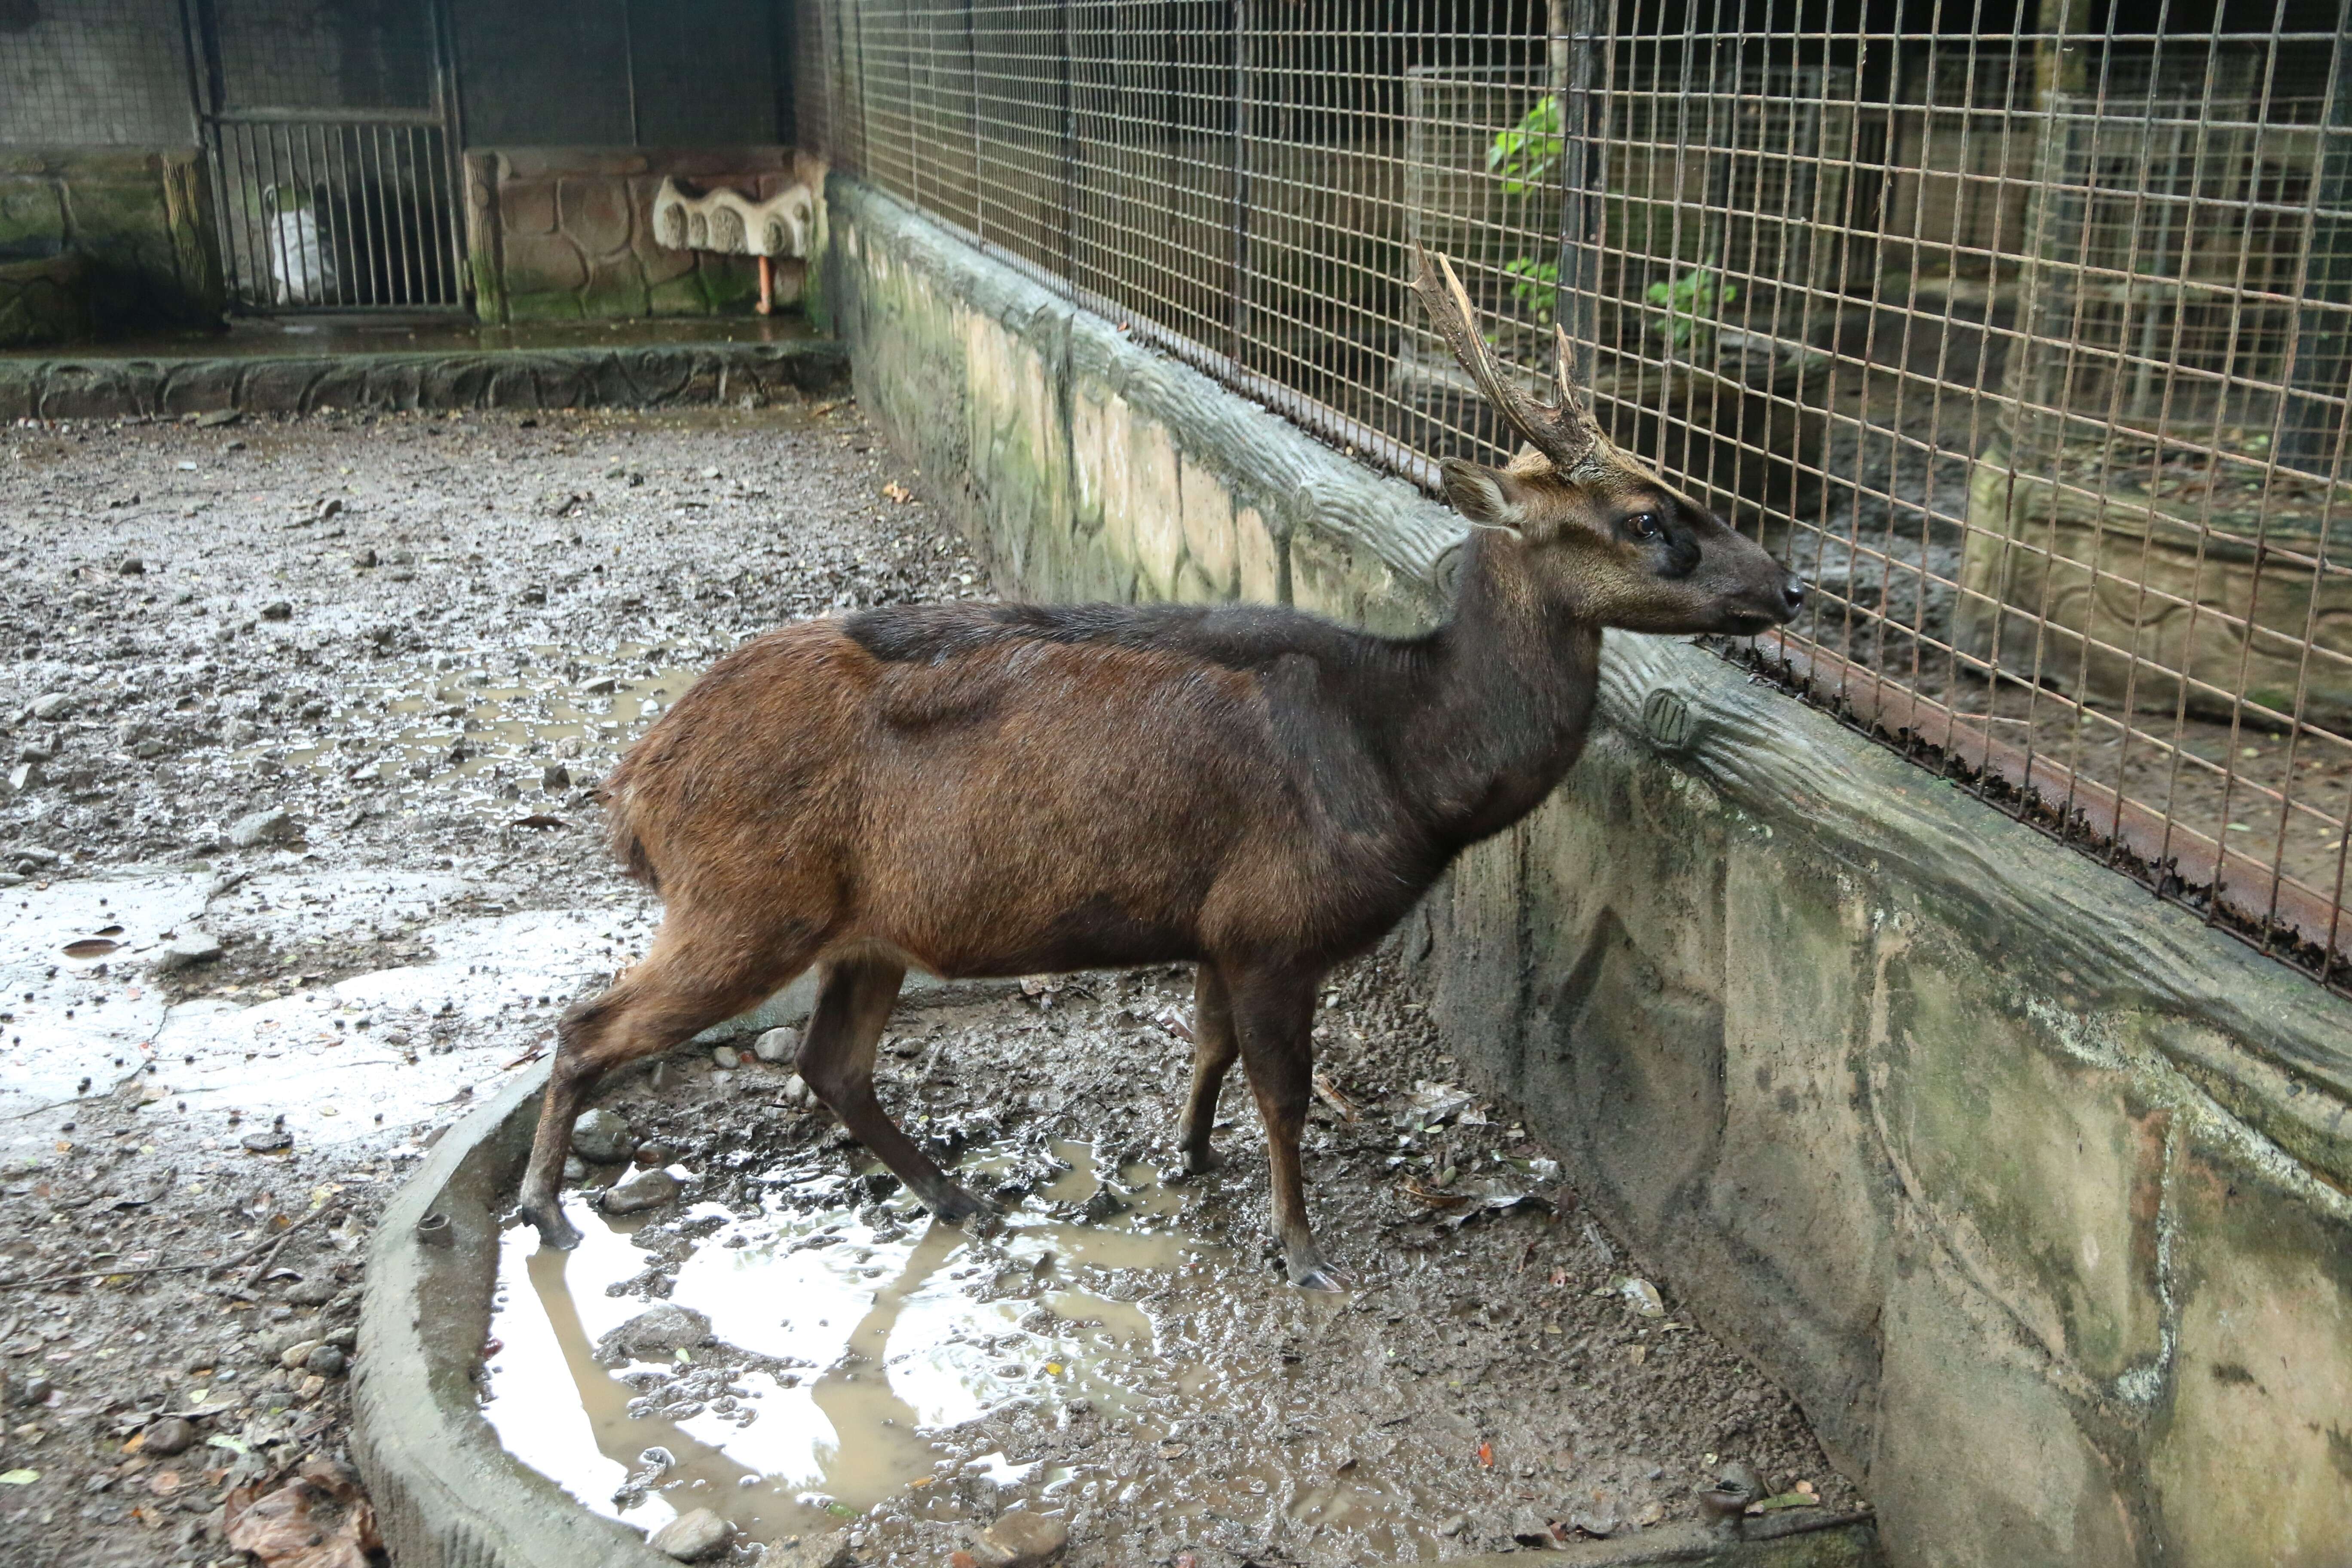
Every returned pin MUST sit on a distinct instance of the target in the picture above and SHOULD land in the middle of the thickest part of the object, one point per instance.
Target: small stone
(690, 1537)
(645, 1190)
(217, 418)
(601, 1138)
(833, 1549)
(297, 1354)
(315, 1291)
(275, 825)
(725, 1059)
(777, 1044)
(131, 566)
(1020, 1539)
(651, 1155)
(170, 1436)
(600, 686)
(797, 1091)
(276, 610)
(657, 1333)
(325, 1361)
(363, 560)
(269, 1140)
(55, 705)
(554, 776)
(575, 1168)
(1603, 1525)
(24, 776)
(185, 950)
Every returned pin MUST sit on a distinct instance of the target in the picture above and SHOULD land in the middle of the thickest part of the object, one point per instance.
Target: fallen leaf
(1486, 1455)
(1329, 1095)
(897, 492)
(318, 1520)
(1640, 1294)
(90, 947)
(1431, 1103)
(1785, 1500)
(19, 1478)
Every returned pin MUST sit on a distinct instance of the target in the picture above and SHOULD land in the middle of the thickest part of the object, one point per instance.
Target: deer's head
(1599, 534)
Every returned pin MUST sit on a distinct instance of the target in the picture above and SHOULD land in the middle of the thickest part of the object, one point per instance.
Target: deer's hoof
(1319, 1276)
(554, 1230)
(957, 1207)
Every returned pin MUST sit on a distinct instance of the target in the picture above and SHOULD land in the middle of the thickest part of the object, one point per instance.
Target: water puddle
(363, 1058)
(862, 1350)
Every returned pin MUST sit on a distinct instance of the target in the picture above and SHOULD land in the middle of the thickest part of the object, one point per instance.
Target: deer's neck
(1512, 679)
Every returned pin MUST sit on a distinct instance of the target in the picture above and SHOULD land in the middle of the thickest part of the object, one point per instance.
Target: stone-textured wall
(566, 233)
(140, 222)
(2032, 1189)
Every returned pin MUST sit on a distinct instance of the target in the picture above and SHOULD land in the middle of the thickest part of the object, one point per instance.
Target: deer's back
(1011, 789)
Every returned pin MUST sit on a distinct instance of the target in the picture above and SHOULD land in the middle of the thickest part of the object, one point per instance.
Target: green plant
(1537, 286)
(1525, 156)
(1526, 153)
(1692, 301)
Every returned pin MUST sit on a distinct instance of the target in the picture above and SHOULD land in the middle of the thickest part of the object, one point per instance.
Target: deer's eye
(1645, 525)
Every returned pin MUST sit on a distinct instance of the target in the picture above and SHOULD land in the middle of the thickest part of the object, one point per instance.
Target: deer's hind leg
(685, 984)
(1215, 1048)
(836, 1060)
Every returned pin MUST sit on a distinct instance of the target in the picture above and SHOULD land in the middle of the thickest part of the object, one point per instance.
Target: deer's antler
(1568, 434)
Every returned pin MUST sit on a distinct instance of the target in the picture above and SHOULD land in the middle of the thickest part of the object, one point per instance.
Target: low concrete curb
(446, 1495)
(1782, 1541)
(651, 375)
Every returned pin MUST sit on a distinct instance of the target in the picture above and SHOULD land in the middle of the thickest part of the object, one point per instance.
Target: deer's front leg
(1274, 1017)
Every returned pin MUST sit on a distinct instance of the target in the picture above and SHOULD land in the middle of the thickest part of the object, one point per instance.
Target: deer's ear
(1482, 495)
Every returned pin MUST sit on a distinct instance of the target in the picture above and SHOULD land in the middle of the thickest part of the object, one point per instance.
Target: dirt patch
(393, 629)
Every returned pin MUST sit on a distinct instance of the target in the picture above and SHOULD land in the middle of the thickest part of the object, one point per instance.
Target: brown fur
(998, 790)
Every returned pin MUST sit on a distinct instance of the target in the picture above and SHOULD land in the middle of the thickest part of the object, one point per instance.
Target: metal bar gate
(324, 203)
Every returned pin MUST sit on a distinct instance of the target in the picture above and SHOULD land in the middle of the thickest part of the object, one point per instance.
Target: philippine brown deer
(1007, 789)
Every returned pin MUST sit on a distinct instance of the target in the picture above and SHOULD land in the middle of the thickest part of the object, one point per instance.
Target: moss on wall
(139, 220)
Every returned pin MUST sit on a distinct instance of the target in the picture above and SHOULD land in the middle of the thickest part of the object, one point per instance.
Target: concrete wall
(2032, 1189)
(140, 223)
(566, 233)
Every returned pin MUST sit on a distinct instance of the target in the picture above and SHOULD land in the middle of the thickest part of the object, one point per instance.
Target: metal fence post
(1240, 181)
(1575, 26)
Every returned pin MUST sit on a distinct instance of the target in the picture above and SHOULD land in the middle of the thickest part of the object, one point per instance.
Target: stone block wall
(566, 233)
(2032, 1189)
(140, 222)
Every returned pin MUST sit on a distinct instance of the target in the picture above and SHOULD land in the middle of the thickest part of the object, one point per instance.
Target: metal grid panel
(332, 149)
(101, 73)
(2026, 335)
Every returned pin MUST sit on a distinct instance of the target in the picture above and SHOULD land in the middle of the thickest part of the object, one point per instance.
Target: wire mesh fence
(2025, 333)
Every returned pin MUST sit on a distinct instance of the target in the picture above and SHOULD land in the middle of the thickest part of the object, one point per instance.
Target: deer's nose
(1792, 594)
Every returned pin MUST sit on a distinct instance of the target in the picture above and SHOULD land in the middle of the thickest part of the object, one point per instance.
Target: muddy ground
(299, 727)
